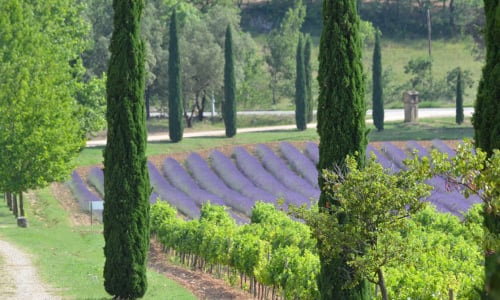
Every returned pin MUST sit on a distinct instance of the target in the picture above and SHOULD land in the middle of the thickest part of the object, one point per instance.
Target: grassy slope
(446, 55)
(71, 258)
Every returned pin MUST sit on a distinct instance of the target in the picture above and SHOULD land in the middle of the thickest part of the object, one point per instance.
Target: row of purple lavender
(243, 178)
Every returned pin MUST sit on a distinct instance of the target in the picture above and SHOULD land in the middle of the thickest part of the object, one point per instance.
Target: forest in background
(265, 39)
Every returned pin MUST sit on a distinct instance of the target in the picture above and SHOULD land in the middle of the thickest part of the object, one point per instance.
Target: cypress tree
(308, 76)
(341, 125)
(126, 177)
(229, 105)
(486, 122)
(459, 117)
(175, 126)
(300, 88)
(377, 96)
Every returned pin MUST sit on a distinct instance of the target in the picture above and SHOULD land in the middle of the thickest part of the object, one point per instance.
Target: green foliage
(273, 250)
(406, 19)
(472, 171)
(175, 99)
(486, 119)
(443, 253)
(280, 45)
(229, 105)
(300, 88)
(308, 77)
(91, 97)
(378, 94)
(40, 135)
(421, 71)
(341, 122)
(126, 178)
(377, 205)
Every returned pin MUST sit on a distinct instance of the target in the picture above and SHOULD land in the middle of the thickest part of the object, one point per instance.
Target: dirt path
(18, 278)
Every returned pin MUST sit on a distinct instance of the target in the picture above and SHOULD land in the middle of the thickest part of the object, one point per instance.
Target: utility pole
(429, 30)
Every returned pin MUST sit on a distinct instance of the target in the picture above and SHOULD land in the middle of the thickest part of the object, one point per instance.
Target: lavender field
(239, 180)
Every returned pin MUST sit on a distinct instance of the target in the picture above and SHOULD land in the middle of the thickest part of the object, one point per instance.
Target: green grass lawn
(71, 258)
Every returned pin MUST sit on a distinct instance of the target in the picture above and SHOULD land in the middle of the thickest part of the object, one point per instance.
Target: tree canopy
(38, 58)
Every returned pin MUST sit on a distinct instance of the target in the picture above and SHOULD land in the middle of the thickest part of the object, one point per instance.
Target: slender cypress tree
(229, 106)
(377, 96)
(308, 76)
(300, 88)
(175, 126)
(126, 177)
(341, 125)
(459, 117)
(486, 121)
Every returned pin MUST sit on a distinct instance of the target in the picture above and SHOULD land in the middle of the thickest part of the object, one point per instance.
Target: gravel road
(18, 277)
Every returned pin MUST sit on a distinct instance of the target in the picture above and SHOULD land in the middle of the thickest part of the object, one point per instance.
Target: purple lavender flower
(300, 163)
(232, 176)
(172, 195)
(96, 178)
(178, 177)
(312, 152)
(253, 169)
(280, 170)
(209, 181)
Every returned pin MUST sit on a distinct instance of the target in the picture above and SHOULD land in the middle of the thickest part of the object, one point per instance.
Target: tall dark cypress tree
(341, 125)
(126, 177)
(459, 117)
(175, 101)
(300, 88)
(377, 96)
(229, 105)
(308, 76)
(486, 121)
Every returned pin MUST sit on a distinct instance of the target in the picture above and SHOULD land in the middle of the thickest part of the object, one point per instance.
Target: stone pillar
(411, 106)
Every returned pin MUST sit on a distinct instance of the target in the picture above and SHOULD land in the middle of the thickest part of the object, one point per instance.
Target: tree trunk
(14, 206)
(201, 108)
(9, 200)
(381, 283)
(21, 204)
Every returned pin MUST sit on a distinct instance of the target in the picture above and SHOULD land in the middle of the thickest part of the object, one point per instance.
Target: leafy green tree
(486, 119)
(378, 204)
(421, 70)
(451, 81)
(229, 106)
(281, 44)
(40, 134)
(308, 78)
(476, 172)
(459, 101)
(250, 71)
(486, 122)
(91, 99)
(126, 178)
(153, 31)
(341, 125)
(377, 96)
(99, 15)
(202, 67)
(300, 88)
(175, 99)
